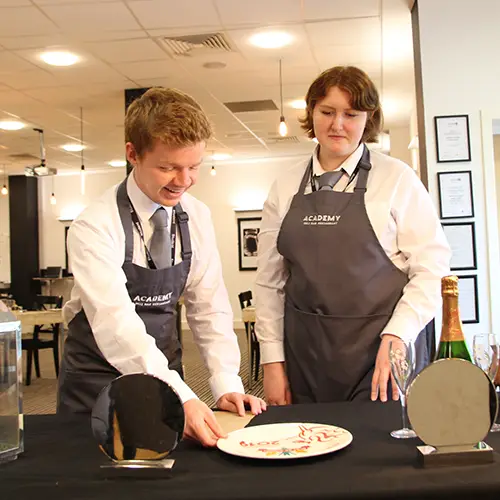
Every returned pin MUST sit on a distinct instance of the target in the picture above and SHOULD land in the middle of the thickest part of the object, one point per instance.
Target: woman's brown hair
(364, 97)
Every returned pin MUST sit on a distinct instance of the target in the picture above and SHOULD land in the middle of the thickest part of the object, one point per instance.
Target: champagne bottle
(452, 343)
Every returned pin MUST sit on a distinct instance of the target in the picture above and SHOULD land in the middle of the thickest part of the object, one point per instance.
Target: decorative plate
(285, 440)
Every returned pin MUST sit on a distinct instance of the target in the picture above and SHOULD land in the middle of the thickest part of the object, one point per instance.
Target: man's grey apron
(155, 292)
(341, 292)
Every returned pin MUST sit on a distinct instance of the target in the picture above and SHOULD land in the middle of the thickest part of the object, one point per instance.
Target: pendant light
(4, 190)
(282, 129)
(213, 172)
(53, 200)
(82, 168)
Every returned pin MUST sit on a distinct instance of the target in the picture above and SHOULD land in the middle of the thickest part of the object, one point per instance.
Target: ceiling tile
(128, 50)
(349, 55)
(20, 21)
(334, 9)
(31, 79)
(32, 42)
(363, 31)
(15, 3)
(62, 2)
(10, 62)
(261, 12)
(172, 13)
(93, 17)
(59, 95)
(99, 36)
(147, 69)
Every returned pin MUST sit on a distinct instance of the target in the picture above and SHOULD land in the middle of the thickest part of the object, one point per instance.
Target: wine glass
(402, 359)
(486, 355)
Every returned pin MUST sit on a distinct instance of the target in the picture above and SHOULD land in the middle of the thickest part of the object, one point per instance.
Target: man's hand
(235, 403)
(276, 387)
(382, 371)
(201, 424)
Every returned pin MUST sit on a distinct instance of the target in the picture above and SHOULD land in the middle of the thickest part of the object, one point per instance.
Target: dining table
(63, 461)
(30, 319)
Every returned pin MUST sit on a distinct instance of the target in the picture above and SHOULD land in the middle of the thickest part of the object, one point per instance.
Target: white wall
(465, 85)
(496, 146)
(70, 202)
(400, 138)
(4, 239)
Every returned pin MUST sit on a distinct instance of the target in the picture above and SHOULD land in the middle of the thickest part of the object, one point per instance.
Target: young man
(133, 253)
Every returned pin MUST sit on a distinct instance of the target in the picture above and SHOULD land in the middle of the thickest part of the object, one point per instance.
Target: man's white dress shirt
(96, 247)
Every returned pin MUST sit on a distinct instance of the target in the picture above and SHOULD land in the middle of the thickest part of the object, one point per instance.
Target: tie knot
(160, 218)
(329, 179)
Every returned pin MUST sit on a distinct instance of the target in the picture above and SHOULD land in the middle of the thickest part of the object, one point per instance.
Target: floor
(40, 396)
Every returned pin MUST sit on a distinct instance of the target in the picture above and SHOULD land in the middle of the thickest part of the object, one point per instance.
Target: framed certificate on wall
(462, 239)
(452, 138)
(468, 300)
(455, 195)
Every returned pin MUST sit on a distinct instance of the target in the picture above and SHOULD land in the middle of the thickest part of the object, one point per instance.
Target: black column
(131, 95)
(23, 220)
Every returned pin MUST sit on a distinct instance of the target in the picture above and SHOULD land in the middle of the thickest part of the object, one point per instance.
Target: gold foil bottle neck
(449, 286)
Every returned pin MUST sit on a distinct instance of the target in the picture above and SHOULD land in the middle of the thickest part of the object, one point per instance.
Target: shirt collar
(349, 164)
(144, 206)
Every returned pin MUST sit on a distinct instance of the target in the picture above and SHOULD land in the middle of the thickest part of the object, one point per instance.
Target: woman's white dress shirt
(96, 247)
(405, 223)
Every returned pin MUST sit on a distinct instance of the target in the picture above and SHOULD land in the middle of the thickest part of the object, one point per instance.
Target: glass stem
(403, 410)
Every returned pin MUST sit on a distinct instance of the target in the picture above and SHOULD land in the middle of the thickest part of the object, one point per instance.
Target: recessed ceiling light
(117, 163)
(221, 156)
(298, 104)
(271, 39)
(59, 58)
(73, 148)
(11, 125)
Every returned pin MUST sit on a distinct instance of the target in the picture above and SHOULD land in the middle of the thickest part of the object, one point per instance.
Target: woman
(343, 272)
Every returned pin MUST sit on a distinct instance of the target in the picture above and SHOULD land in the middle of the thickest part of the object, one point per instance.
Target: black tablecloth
(61, 461)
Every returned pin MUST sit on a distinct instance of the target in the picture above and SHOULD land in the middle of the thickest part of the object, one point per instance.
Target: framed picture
(452, 138)
(248, 239)
(462, 239)
(455, 195)
(468, 301)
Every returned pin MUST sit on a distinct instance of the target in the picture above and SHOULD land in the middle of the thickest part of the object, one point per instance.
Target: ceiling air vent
(250, 106)
(190, 45)
(289, 139)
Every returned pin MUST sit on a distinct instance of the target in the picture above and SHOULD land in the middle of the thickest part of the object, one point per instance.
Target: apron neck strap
(363, 167)
(183, 219)
(307, 176)
(124, 211)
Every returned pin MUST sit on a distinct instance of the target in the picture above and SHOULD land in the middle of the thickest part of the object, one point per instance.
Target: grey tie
(327, 181)
(160, 242)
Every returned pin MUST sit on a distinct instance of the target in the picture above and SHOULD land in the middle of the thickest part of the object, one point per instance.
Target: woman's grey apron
(341, 292)
(155, 293)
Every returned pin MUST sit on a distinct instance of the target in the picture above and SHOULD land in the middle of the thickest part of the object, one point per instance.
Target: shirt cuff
(272, 352)
(401, 327)
(175, 381)
(225, 382)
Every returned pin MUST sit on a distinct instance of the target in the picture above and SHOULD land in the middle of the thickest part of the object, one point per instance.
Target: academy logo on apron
(153, 300)
(321, 220)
